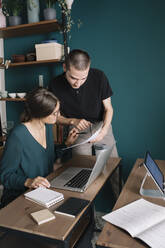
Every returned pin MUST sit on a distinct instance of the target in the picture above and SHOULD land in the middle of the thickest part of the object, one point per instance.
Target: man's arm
(80, 124)
(107, 118)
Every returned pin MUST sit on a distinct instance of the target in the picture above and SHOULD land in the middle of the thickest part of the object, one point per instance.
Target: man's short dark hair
(79, 59)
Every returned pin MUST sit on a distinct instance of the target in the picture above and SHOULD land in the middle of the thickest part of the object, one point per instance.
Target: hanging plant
(65, 5)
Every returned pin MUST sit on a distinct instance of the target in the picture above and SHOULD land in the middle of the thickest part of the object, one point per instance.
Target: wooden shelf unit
(13, 99)
(30, 28)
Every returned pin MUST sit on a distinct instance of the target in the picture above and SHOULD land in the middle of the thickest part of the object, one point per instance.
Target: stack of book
(43, 196)
(60, 133)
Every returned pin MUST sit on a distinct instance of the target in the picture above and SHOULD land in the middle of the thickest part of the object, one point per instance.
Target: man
(85, 102)
(85, 98)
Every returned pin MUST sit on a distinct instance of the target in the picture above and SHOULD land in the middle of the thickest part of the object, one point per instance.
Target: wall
(126, 40)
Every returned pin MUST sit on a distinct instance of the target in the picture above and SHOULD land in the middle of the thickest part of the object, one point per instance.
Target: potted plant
(12, 9)
(49, 11)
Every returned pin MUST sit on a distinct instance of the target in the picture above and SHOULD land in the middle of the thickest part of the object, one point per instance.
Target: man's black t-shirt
(85, 102)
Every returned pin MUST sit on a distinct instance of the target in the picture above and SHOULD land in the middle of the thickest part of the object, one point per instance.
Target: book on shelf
(143, 220)
(72, 207)
(45, 197)
(42, 216)
(54, 128)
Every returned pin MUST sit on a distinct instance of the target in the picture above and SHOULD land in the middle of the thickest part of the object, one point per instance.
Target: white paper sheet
(85, 141)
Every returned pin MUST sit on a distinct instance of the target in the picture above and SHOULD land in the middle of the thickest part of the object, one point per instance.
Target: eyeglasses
(56, 113)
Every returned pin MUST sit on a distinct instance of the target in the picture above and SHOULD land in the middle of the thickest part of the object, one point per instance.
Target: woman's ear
(64, 67)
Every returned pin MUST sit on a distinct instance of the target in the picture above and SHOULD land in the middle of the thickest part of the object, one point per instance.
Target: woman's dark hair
(39, 104)
(77, 58)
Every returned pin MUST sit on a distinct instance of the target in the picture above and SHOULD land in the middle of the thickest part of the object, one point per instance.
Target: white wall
(2, 85)
(2, 104)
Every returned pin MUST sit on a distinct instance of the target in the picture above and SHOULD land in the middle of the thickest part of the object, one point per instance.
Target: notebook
(79, 179)
(42, 216)
(43, 196)
(72, 207)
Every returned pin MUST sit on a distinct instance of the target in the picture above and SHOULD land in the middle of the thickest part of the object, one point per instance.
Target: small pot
(49, 14)
(16, 58)
(14, 20)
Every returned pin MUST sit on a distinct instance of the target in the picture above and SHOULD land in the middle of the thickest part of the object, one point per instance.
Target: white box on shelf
(48, 51)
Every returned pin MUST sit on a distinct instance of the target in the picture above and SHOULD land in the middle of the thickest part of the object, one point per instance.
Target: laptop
(79, 179)
(155, 173)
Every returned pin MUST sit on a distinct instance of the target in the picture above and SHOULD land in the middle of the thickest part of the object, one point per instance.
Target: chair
(1, 151)
(1, 186)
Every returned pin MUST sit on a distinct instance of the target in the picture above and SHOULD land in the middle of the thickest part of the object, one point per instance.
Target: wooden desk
(64, 231)
(115, 237)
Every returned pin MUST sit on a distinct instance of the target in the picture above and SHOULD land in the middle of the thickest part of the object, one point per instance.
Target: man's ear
(64, 67)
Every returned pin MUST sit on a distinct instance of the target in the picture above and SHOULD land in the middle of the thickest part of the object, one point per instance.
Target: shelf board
(8, 99)
(2, 66)
(28, 63)
(30, 28)
(35, 62)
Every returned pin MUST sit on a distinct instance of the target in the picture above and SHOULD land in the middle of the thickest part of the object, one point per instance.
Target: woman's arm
(10, 175)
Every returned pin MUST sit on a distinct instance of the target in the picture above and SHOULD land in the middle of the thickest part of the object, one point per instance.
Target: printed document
(143, 220)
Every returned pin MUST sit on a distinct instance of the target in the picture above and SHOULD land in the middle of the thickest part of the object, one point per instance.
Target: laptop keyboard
(79, 180)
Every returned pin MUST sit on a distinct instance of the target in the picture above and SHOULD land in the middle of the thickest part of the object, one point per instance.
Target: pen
(82, 133)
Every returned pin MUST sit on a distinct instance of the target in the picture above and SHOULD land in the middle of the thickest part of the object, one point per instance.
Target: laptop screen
(155, 172)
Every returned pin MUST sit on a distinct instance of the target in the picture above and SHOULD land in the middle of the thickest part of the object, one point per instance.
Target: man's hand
(37, 182)
(80, 124)
(99, 137)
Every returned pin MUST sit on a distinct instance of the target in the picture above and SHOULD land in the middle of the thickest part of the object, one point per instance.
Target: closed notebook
(42, 216)
(72, 206)
(45, 197)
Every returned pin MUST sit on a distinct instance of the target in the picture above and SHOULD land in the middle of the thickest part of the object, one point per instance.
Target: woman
(29, 151)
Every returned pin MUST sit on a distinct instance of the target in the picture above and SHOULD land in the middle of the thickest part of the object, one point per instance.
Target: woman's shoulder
(17, 134)
(19, 129)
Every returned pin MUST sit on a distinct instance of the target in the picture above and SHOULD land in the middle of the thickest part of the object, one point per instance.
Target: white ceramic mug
(4, 94)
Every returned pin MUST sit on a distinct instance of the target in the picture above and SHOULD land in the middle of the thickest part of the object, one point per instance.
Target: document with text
(143, 220)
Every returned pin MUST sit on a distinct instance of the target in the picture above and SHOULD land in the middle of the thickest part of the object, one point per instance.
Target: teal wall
(126, 39)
